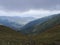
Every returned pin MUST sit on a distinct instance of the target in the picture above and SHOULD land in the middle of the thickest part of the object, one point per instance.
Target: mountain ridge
(30, 27)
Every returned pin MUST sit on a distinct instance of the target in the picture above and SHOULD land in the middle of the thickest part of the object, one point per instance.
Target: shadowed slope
(8, 33)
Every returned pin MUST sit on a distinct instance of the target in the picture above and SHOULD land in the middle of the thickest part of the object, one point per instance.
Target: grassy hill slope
(51, 36)
(8, 33)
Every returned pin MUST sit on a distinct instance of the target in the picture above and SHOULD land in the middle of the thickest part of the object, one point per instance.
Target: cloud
(30, 13)
(34, 8)
(24, 5)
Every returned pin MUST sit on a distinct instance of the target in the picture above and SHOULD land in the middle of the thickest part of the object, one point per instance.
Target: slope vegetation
(8, 33)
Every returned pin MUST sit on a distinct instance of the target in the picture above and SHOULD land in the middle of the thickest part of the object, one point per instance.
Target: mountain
(49, 37)
(55, 20)
(45, 32)
(48, 32)
(9, 36)
(14, 22)
(29, 28)
(7, 33)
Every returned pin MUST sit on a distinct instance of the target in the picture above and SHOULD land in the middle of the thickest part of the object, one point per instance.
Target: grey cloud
(23, 5)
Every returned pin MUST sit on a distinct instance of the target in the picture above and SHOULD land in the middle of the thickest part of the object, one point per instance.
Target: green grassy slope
(50, 36)
(11, 37)
(8, 33)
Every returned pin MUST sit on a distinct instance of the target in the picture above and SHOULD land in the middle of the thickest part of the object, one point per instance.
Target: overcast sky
(35, 8)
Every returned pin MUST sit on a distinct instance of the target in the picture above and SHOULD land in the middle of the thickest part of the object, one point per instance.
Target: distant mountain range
(15, 22)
